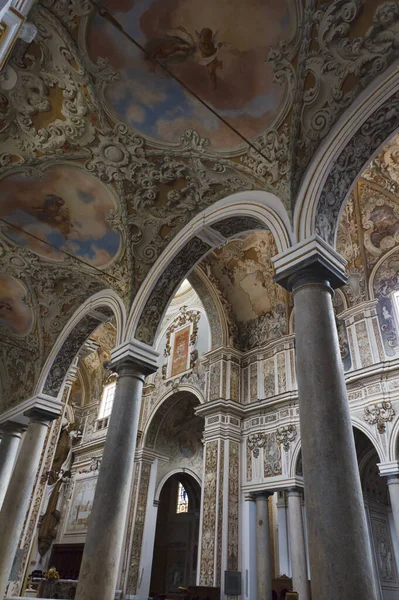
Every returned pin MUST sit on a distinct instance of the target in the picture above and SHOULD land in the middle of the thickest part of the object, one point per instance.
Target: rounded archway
(175, 555)
(379, 515)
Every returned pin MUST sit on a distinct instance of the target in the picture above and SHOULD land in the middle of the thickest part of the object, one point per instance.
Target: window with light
(182, 500)
(107, 400)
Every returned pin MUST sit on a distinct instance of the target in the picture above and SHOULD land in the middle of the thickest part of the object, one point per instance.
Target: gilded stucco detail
(363, 344)
(132, 578)
(379, 414)
(234, 381)
(271, 456)
(220, 514)
(269, 379)
(233, 507)
(209, 515)
(253, 382)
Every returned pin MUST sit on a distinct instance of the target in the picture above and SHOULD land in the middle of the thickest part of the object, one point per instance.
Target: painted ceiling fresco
(15, 315)
(66, 209)
(218, 50)
(243, 271)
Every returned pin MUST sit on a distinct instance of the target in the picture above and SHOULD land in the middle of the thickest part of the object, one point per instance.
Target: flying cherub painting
(64, 213)
(179, 45)
(215, 51)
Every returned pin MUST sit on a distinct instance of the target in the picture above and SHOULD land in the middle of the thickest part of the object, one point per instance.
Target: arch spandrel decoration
(70, 349)
(349, 164)
(217, 326)
(235, 225)
(166, 286)
(179, 267)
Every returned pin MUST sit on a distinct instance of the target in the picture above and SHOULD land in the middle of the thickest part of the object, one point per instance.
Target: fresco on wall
(217, 50)
(81, 505)
(15, 315)
(66, 210)
(244, 271)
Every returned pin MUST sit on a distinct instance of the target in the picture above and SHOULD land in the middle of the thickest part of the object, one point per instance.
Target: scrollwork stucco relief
(233, 507)
(379, 414)
(208, 534)
(165, 286)
(377, 128)
(286, 435)
(333, 59)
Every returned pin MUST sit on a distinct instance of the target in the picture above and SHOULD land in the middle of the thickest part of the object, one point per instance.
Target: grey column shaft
(263, 551)
(11, 437)
(17, 498)
(300, 581)
(103, 548)
(339, 548)
(393, 486)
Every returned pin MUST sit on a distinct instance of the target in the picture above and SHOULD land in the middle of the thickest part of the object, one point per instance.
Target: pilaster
(220, 507)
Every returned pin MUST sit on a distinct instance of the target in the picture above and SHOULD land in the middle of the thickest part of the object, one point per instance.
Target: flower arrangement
(52, 573)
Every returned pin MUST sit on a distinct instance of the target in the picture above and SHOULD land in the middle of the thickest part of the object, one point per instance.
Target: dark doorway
(175, 556)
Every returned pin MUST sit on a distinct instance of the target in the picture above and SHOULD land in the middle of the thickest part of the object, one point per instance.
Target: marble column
(339, 548)
(11, 434)
(300, 581)
(393, 486)
(263, 548)
(99, 571)
(17, 498)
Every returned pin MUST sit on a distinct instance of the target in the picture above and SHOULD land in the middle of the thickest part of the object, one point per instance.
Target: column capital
(389, 469)
(20, 411)
(263, 494)
(312, 258)
(12, 428)
(38, 414)
(295, 491)
(134, 353)
(249, 497)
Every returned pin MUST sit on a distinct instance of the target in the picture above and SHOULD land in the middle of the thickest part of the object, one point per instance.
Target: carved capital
(379, 414)
(286, 435)
(255, 442)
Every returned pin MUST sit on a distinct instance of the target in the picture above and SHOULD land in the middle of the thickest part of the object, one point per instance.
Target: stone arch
(96, 310)
(213, 308)
(359, 426)
(183, 471)
(393, 442)
(353, 141)
(162, 409)
(235, 215)
(296, 460)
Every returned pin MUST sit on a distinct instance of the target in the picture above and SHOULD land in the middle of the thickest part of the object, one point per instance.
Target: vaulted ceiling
(122, 121)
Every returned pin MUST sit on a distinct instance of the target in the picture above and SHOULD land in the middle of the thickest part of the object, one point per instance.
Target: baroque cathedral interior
(199, 299)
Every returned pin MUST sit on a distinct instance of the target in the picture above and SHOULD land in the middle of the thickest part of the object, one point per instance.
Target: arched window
(107, 400)
(182, 500)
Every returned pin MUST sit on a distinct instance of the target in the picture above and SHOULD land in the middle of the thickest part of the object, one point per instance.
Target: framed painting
(181, 351)
(81, 505)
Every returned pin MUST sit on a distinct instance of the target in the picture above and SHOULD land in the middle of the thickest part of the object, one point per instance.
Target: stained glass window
(182, 500)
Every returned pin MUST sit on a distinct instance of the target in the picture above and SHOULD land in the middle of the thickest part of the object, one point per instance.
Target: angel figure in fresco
(55, 213)
(179, 45)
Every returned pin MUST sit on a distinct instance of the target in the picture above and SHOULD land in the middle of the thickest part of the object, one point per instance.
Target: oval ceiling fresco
(217, 49)
(15, 315)
(66, 210)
